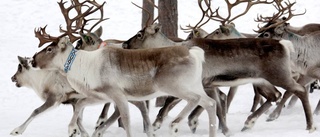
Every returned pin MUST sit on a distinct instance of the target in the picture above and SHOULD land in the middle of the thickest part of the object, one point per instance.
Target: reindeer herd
(150, 65)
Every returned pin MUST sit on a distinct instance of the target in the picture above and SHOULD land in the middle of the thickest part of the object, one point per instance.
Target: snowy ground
(20, 17)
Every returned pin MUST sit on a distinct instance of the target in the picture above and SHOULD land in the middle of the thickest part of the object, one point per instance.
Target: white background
(20, 17)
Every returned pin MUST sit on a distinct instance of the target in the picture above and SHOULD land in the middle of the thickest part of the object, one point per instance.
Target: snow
(20, 17)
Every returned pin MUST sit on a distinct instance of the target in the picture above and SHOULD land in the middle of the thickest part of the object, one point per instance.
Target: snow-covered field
(20, 17)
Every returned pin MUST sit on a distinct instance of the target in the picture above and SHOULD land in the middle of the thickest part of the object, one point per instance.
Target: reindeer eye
(196, 33)
(266, 35)
(217, 32)
(139, 35)
(79, 44)
(49, 50)
(20, 68)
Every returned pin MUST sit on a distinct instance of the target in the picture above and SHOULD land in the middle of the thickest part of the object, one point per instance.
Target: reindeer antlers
(204, 12)
(44, 37)
(73, 25)
(148, 22)
(274, 20)
(214, 15)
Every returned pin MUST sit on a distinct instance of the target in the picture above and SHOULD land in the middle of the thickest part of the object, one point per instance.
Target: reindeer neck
(237, 33)
(293, 37)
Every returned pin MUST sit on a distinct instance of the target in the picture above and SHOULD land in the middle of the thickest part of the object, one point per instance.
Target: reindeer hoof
(174, 129)
(85, 135)
(316, 112)
(16, 131)
(97, 134)
(193, 124)
(312, 129)
(73, 132)
(272, 117)
(156, 125)
(245, 128)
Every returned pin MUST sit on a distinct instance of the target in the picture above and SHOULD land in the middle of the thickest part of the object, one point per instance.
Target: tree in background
(168, 17)
(149, 6)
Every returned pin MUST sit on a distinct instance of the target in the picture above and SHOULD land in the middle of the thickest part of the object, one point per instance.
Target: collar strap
(102, 44)
(70, 59)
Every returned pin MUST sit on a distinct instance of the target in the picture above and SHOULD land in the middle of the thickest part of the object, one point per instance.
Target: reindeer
(50, 86)
(306, 45)
(217, 73)
(92, 41)
(122, 78)
(197, 32)
(81, 21)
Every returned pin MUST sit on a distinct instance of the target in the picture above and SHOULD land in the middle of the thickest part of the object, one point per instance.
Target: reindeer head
(197, 33)
(225, 32)
(144, 38)
(276, 24)
(74, 25)
(21, 76)
(50, 56)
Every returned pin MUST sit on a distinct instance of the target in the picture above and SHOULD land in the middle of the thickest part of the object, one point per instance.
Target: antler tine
(274, 20)
(228, 19)
(99, 7)
(149, 14)
(249, 5)
(79, 19)
(43, 36)
(188, 28)
(208, 3)
(75, 24)
(204, 12)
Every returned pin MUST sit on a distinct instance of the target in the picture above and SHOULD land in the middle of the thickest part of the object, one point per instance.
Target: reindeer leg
(192, 100)
(317, 110)
(231, 93)
(101, 128)
(271, 94)
(147, 127)
(276, 112)
(47, 104)
(77, 113)
(83, 132)
(210, 105)
(256, 100)
(254, 116)
(292, 101)
(121, 103)
(103, 116)
(302, 94)
(216, 94)
(163, 112)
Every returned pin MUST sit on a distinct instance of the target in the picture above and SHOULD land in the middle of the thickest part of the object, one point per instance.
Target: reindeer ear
(224, 29)
(98, 32)
(157, 28)
(154, 28)
(63, 42)
(232, 24)
(21, 59)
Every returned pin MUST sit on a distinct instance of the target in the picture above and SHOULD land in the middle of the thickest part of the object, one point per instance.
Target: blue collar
(70, 60)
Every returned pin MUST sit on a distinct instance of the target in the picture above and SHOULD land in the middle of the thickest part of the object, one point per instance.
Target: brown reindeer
(305, 59)
(235, 62)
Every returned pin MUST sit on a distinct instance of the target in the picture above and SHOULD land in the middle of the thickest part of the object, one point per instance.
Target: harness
(70, 59)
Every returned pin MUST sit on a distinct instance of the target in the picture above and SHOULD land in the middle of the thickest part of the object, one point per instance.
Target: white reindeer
(50, 86)
(92, 41)
(227, 63)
